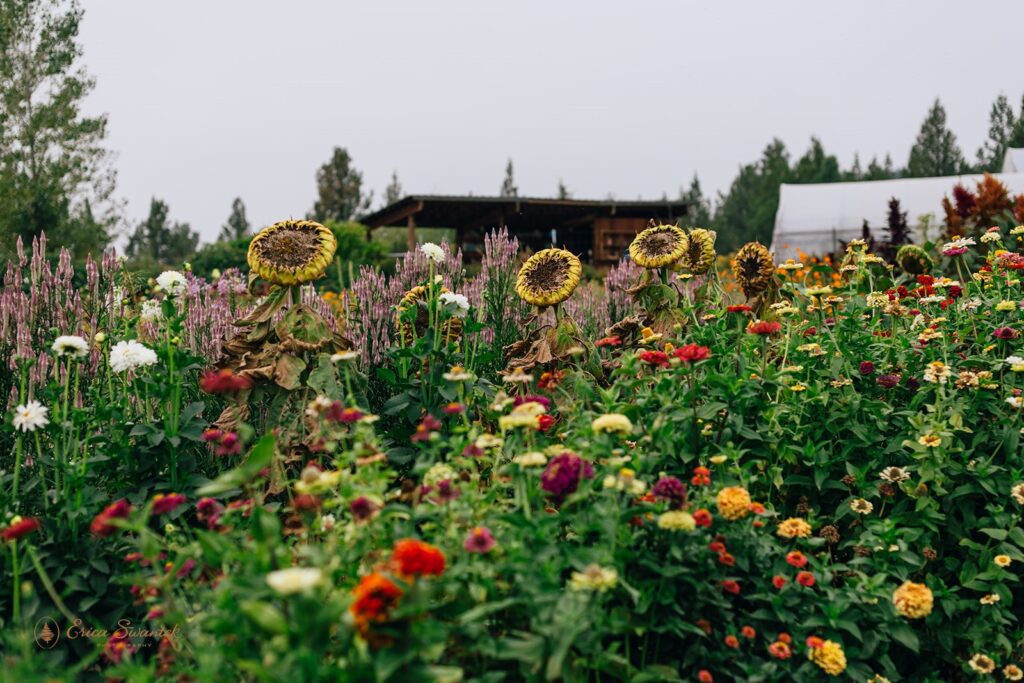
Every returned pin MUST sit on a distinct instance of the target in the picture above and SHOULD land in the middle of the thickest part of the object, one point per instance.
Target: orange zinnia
(416, 558)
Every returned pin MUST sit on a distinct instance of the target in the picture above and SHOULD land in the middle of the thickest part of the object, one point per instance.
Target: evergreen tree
(897, 232)
(935, 153)
(508, 185)
(698, 211)
(158, 241)
(339, 189)
(855, 172)
(563, 191)
(237, 226)
(54, 172)
(393, 192)
(880, 172)
(747, 212)
(816, 166)
(1001, 124)
(1016, 138)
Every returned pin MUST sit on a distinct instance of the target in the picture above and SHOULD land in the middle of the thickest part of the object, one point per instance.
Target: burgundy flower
(867, 368)
(472, 451)
(209, 511)
(888, 381)
(453, 409)
(913, 383)
(672, 490)
(425, 428)
(362, 508)
(543, 400)
(229, 444)
(480, 540)
(166, 502)
(764, 328)
(118, 646)
(1005, 333)
(691, 353)
(337, 412)
(563, 474)
(446, 491)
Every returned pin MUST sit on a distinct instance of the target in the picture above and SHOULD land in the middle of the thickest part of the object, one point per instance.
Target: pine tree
(52, 162)
(237, 226)
(339, 189)
(698, 210)
(393, 192)
(935, 153)
(1016, 138)
(563, 191)
(880, 172)
(1001, 124)
(747, 212)
(855, 172)
(158, 241)
(816, 166)
(508, 185)
(897, 232)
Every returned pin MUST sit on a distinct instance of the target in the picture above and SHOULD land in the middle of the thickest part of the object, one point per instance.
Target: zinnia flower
(30, 416)
(763, 327)
(677, 520)
(432, 252)
(805, 579)
(20, 527)
(223, 381)
(101, 524)
(166, 502)
(412, 557)
(913, 600)
(794, 527)
(480, 540)
(733, 502)
(983, 664)
(594, 578)
(292, 252)
(670, 489)
(374, 597)
(796, 559)
(612, 423)
(294, 579)
(563, 474)
(691, 353)
(658, 246)
(548, 277)
(829, 657)
(1002, 560)
(128, 355)
(861, 506)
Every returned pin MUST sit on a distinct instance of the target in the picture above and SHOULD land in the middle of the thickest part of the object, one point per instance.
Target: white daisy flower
(432, 252)
(30, 416)
(458, 303)
(172, 282)
(294, 579)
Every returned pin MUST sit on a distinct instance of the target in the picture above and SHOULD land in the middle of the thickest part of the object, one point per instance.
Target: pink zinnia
(480, 540)
(166, 502)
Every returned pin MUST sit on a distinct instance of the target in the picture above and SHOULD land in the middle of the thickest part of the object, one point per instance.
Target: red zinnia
(748, 631)
(805, 579)
(739, 308)
(608, 341)
(797, 559)
(101, 525)
(779, 581)
(704, 676)
(655, 358)
(691, 353)
(780, 650)
(374, 597)
(702, 517)
(166, 502)
(731, 586)
(732, 641)
(223, 382)
(416, 558)
(545, 422)
(763, 327)
(727, 559)
(814, 642)
(23, 527)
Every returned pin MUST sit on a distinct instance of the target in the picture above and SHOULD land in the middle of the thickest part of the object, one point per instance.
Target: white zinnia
(151, 311)
(172, 282)
(70, 345)
(128, 355)
(294, 579)
(432, 252)
(30, 416)
(458, 302)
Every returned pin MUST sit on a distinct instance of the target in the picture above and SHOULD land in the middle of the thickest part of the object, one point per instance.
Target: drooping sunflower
(753, 268)
(292, 252)
(913, 259)
(416, 298)
(658, 246)
(548, 277)
(699, 255)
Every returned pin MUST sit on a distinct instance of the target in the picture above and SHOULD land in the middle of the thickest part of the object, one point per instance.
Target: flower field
(678, 472)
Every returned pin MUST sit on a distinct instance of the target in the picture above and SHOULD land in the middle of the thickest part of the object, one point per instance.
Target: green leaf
(905, 635)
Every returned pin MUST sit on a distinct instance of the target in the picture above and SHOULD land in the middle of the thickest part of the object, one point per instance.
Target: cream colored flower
(531, 459)
(1002, 560)
(861, 506)
(677, 520)
(595, 579)
(612, 423)
(294, 579)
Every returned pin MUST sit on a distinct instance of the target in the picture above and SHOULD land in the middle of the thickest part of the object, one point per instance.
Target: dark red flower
(888, 381)
(101, 524)
(545, 422)
(453, 409)
(21, 528)
(550, 379)
(362, 508)
(563, 474)
(727, 559)
(1005, 333)
(412, 557)
(223, 382)
(739, 308)
(867, 368)
(730, 586)
(671, 490)
(339, 412)
(209, 511)
(702, 517)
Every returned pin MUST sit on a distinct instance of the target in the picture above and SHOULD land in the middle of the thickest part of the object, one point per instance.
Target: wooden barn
(598, 230)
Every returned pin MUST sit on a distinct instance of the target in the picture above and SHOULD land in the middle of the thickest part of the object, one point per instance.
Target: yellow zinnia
(733, 502)
(913, 600)
(794, 527)
(830, 657)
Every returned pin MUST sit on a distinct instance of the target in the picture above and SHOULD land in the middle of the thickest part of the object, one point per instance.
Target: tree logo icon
(47, 633)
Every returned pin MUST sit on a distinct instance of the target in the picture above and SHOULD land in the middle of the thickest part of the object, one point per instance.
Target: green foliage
(1000, 129)
(221, 255)
(339, 188)
(54, 172)
(238, 225)
(157, 242)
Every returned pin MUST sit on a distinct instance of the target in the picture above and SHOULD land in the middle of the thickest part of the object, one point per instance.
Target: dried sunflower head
(415, 299)
(913, 259)
(658, 246)
(548, 277)
(699, 255)
(292, 252)
(754, 268)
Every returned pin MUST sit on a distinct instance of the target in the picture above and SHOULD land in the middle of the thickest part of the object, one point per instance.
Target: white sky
(213, 99)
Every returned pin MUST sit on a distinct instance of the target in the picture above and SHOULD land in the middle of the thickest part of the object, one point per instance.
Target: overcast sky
(213, 99)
